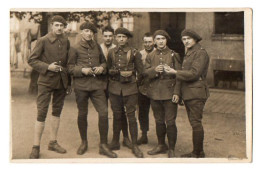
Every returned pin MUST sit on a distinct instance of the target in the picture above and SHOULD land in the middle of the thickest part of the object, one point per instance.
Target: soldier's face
(160, 41)
(188, 41)
(108, 38)
(121, 39)
(57, 28)
(87, 34)
(148, 43)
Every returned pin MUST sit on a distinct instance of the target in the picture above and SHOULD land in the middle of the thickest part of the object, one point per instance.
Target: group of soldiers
(156, 76)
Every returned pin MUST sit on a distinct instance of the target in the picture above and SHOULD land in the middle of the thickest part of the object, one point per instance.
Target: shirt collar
(193, 49)
(88, 44)
(126, 48)
(52, 37)
(110, 47)
(164, 51)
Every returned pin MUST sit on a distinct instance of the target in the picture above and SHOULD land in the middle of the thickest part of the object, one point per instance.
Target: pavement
(223, 120)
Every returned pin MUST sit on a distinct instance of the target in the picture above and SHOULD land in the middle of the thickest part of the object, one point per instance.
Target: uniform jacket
(162, 86)
(49, 49)
(143, 83)
(117, 59)
(84, 55)
(193, 74)
(106, 49)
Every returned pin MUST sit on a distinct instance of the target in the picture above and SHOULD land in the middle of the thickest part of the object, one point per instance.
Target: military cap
(163, 33)
(88, 25)
(58, 18)
(191, 33)
(124, 31)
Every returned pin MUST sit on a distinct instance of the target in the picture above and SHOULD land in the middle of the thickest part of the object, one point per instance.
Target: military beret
(88, 25)
(191, 33)
(58, 18)
(163, 33)
(124, 31)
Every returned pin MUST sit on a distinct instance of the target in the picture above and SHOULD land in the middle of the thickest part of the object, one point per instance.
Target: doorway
(173, 23)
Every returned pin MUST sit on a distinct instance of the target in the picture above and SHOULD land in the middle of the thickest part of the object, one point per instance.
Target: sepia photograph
(131, 85)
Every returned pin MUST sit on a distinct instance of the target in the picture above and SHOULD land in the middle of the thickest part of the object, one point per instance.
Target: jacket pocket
(198, 90)
(50, 73)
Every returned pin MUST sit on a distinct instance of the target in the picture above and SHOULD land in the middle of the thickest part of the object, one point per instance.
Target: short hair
(148, 34)
(108, 28)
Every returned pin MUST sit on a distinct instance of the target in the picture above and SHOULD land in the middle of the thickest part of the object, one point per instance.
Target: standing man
(108, 37)
(143, 100)
(162, 88)
(87, 64)
(123, 63)
(194, 88)
(49, 58)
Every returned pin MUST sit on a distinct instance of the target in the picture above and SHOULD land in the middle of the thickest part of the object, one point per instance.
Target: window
(229, 25)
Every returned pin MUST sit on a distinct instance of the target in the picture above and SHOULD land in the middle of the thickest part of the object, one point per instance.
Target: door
(173, 23)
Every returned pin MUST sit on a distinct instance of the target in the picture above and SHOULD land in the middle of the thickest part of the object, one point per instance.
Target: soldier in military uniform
(163, 86)
(108, 37)
(123, 63)
(194, 88)
(49, 58)
(143, 100)
(87, 64)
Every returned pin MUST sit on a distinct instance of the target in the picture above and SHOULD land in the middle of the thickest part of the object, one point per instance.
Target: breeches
(44, 98)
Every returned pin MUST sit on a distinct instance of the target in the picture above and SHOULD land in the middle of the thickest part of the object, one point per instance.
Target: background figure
(143, 100)
(194, 88)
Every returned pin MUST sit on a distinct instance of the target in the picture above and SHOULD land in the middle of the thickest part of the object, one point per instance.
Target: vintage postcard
(131, 85)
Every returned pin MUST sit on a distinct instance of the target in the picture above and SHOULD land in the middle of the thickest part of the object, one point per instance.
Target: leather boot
(172, 138)
(104, 150)
(82, 148)
(137, 152)
(115, 145)
(127, 143)
(143, 139)
(197, 138)
(171, 153)
(35, 154)
(159, 149)
(54, 146)
(103, 128)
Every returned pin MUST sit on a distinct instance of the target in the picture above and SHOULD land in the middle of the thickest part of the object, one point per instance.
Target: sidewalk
(223, 119)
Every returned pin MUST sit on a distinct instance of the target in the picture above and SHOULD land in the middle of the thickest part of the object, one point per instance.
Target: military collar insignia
(125, 48)
(164, 51)
(193, 49)
(87, 45)
(52, 37)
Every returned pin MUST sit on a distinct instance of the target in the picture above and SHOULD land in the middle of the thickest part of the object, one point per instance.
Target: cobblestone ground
(224, 124)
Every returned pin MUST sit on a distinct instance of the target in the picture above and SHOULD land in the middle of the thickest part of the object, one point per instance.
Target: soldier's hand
(87, 71)
(68, 90)
(169, 70)
(54, 67)
(98, 70)
(175, 98)
(159, 68)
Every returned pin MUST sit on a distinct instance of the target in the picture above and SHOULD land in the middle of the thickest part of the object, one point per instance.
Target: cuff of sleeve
(77, 72)
(105, 69)
(44, 68)
(152, 73)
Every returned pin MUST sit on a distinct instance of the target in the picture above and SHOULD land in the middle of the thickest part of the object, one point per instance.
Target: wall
(203, 24)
